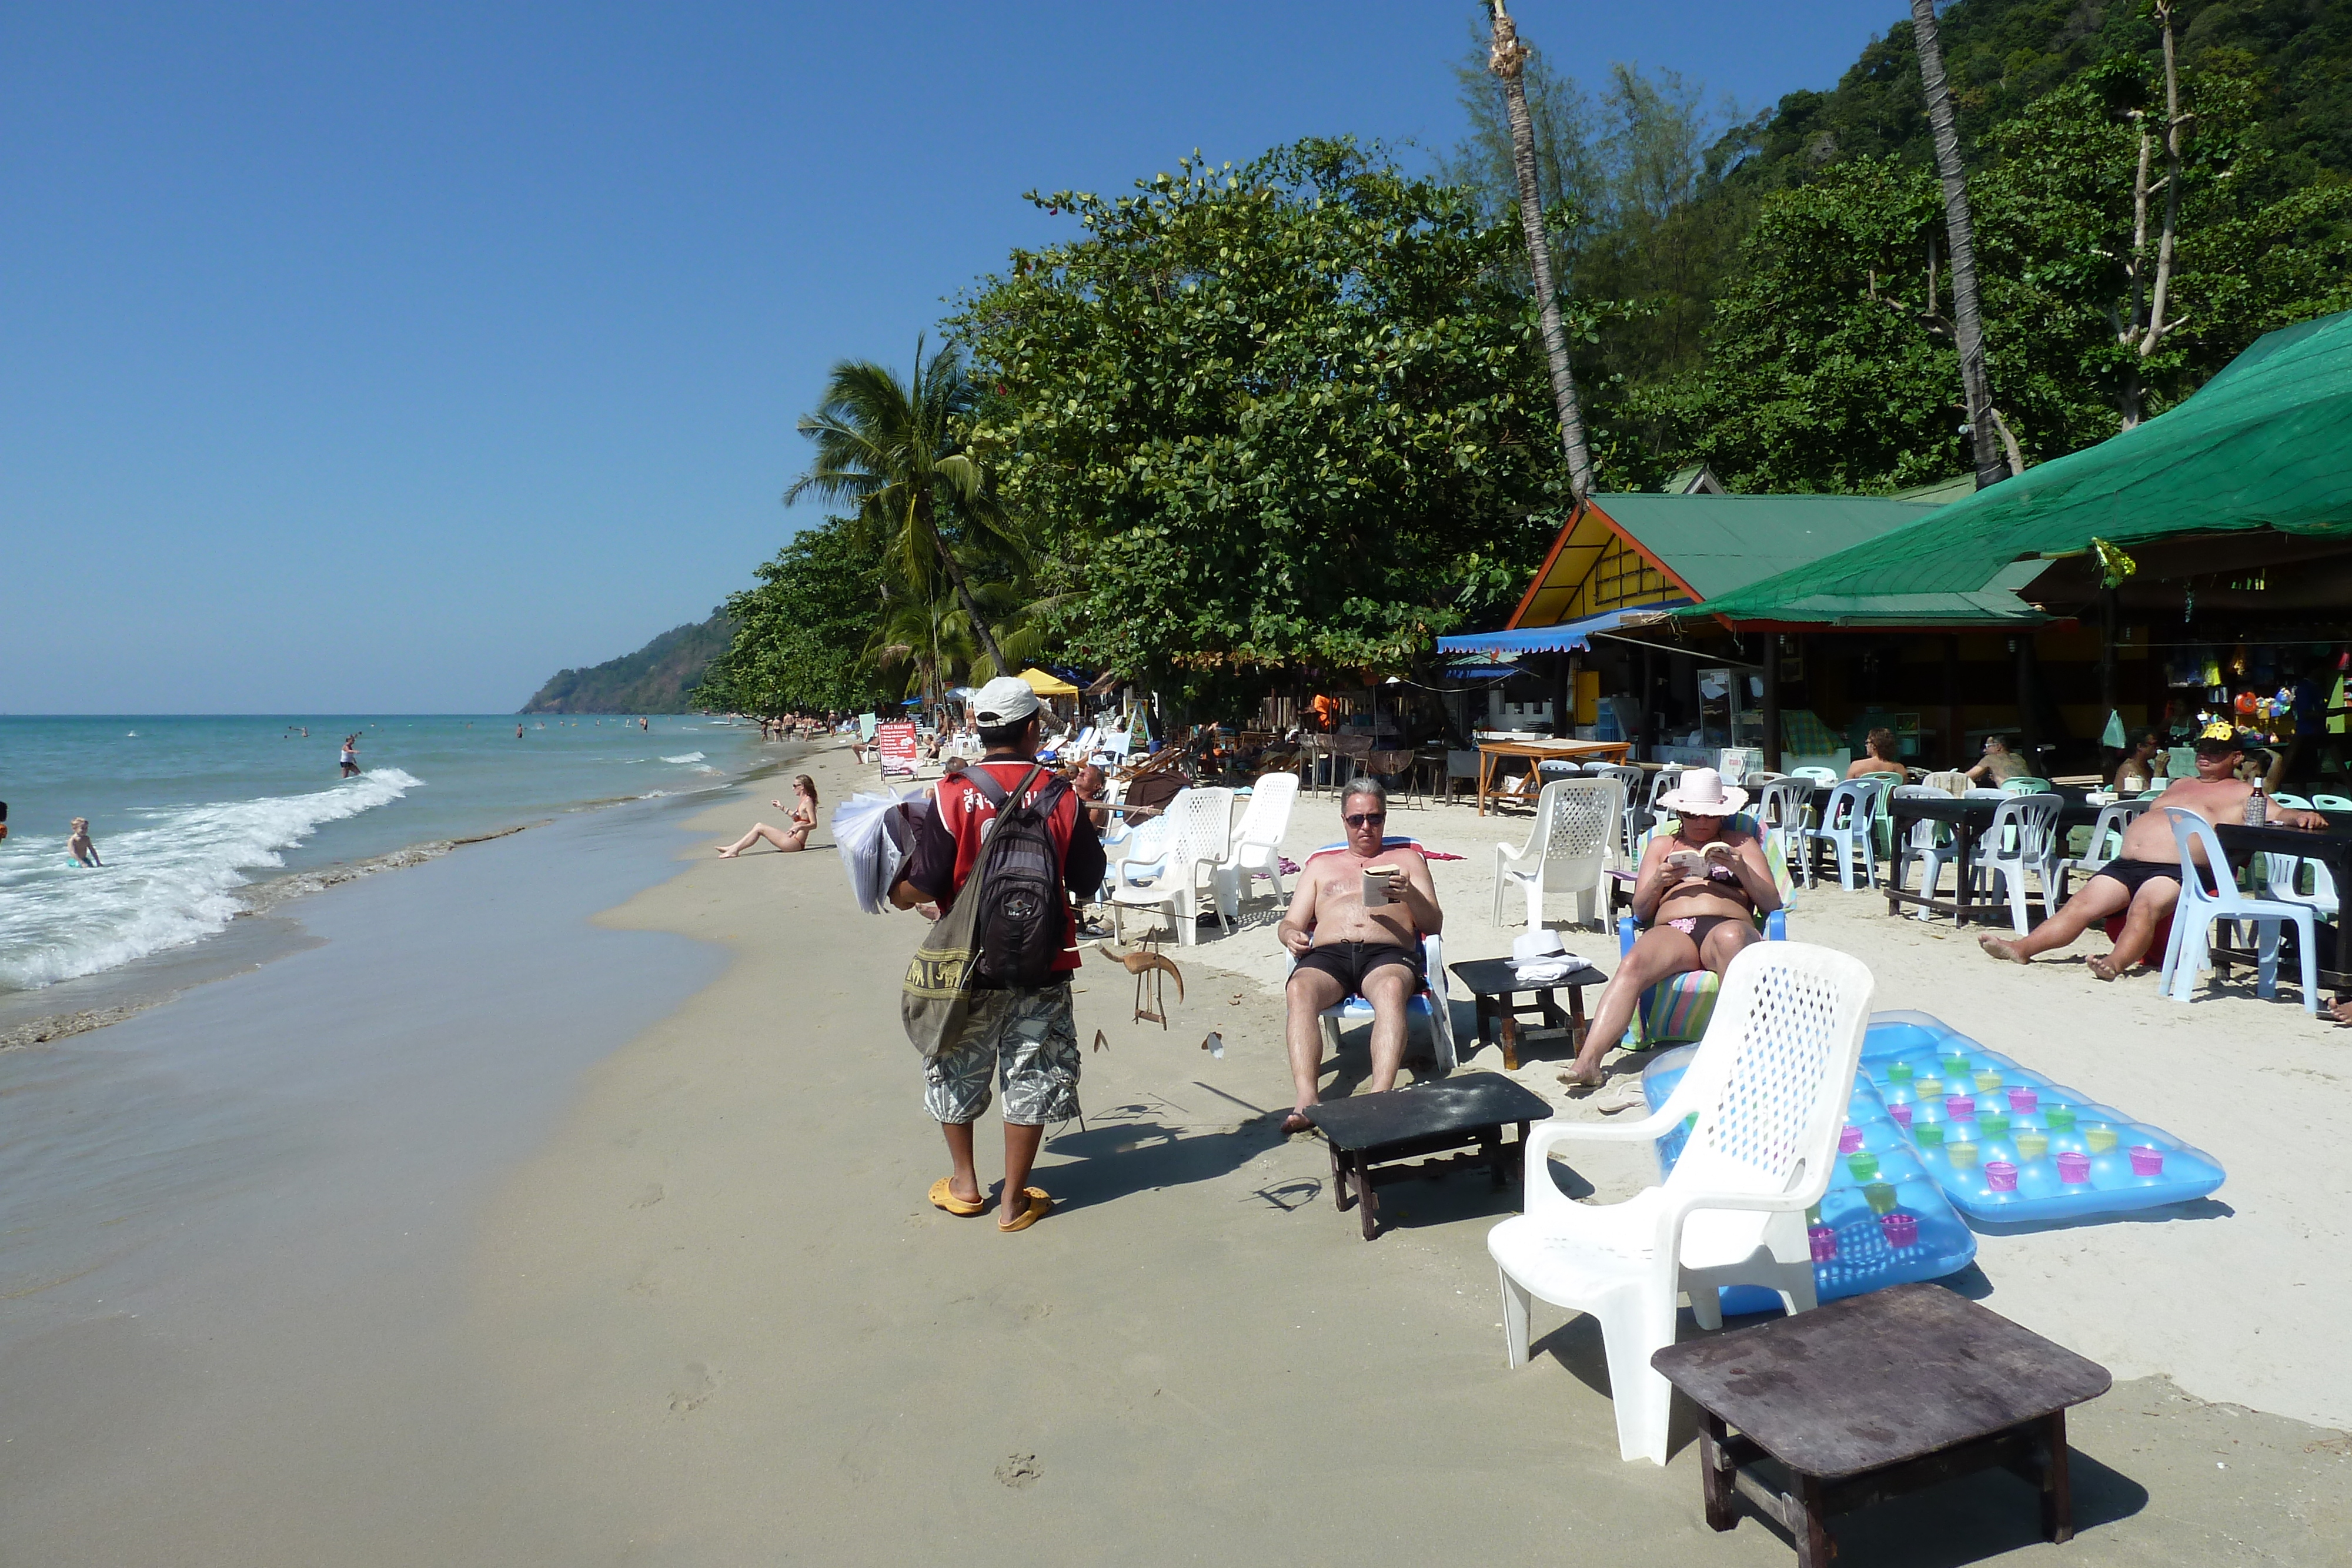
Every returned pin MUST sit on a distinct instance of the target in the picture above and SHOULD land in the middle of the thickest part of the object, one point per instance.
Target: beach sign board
(896, 741)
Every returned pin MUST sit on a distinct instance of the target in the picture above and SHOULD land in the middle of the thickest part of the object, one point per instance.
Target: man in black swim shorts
(1354, 928)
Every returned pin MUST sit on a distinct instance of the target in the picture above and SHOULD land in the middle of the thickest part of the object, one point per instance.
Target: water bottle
(2257, 813)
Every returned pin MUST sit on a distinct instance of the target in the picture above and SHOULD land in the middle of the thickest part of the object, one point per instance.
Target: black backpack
(1023, 916)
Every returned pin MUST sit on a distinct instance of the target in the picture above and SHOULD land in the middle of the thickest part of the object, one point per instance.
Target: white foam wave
(690, 757)
(168, 882)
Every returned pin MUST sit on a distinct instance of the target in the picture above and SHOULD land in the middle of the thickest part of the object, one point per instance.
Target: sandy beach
(609, 1244)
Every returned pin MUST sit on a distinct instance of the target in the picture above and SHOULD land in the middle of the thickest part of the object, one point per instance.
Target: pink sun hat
(1702, 793)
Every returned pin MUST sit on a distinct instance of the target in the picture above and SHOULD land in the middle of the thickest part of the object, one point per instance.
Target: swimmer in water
(517, 732)
(78, 844)
(350, 759)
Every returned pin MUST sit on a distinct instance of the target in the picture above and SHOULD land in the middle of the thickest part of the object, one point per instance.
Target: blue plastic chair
(1848, 825)
(1429, 1004)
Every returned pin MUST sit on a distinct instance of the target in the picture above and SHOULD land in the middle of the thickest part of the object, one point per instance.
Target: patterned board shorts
(1029, 1037)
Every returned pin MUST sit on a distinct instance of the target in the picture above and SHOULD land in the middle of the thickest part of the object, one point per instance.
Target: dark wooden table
(1971, 817)
(1874, 1396)
(1369, 1130)
(1495, 981)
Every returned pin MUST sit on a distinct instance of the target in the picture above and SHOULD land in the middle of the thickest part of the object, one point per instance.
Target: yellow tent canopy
(1046, 685)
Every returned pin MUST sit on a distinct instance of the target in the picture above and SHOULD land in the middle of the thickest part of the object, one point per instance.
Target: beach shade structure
(1576, 834)
(1046, 685)
(1766, 1093)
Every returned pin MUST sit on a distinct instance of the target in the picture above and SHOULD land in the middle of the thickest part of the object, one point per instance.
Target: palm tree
(892, 449)
(1967, 319)
(1508, 58)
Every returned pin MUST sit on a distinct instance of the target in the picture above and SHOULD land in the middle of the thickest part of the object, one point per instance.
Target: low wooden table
(1368, 1130)
(1495, 981)
(1538, 751)
(1874, 1396)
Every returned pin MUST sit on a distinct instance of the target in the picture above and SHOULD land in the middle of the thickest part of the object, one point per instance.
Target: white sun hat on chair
(1702, 793)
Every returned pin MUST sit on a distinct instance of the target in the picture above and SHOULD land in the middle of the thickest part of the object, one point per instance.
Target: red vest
(962, 811)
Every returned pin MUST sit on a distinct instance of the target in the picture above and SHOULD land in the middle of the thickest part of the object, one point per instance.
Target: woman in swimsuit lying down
(1699, 890)
(792, 837)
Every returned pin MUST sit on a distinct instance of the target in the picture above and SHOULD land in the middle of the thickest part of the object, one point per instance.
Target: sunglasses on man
(1365, 819)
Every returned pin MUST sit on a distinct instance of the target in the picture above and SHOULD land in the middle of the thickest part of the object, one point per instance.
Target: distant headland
(660, 677)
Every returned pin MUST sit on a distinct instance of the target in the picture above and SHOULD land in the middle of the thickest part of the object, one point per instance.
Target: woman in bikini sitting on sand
(795, 837)
(1699, 890)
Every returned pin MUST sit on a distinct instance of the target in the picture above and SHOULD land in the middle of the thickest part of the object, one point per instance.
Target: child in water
(78, 844)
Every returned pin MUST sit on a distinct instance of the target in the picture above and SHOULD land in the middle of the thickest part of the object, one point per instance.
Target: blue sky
(390, 358)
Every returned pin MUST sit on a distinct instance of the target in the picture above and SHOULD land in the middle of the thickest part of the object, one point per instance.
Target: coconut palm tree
(1967, 319)
(891, 448)
(1508, 58)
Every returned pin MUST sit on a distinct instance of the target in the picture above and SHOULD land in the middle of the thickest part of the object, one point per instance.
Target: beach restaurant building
(2200, 563)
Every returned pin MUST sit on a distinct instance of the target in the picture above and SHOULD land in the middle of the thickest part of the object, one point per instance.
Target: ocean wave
(690, 757)
(172, 880)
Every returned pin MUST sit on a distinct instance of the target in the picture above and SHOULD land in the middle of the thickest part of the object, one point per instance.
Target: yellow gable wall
(1595, 570)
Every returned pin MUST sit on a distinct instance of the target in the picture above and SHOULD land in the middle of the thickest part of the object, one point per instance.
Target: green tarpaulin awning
(2267, 443)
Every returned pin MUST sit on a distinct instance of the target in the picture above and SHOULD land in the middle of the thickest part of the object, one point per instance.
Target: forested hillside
(660, 677)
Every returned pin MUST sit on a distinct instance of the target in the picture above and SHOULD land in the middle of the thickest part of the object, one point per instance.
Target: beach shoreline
(683, 1301)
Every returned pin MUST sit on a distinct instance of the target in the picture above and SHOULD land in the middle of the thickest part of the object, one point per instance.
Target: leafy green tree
(892, 449)
(1290, 414)
(801, 635)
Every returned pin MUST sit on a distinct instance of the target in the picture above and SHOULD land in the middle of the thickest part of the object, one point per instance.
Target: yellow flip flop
(942, 1198)
(1041, 1204)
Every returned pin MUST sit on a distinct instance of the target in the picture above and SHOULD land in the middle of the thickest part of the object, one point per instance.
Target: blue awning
(1572, 637)
(1483, 672)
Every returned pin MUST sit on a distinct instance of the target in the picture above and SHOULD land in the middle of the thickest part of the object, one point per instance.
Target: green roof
(2267, 443)
(1719, 544)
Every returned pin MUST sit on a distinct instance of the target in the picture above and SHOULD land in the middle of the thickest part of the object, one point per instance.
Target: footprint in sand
(1018, 1470)
(650, 1196)
(699, 1386)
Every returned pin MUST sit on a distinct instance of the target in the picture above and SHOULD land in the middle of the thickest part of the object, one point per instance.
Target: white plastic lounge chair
(1575, 836)
(1178, 878)
(2186, 956)
(1769, 1085)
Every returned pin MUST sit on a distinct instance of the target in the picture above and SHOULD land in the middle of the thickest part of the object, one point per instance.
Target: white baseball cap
(1006, 700)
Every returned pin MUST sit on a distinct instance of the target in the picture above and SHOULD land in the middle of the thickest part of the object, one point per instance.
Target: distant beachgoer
(78, 844)
(351, 761)
(644, 723)
(795, 837)
(1999, 765)
(1880, 754)
(517, 732)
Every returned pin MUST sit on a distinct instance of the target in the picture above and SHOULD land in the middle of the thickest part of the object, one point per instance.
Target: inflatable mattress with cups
(2009, 1146)
(1883, 1221)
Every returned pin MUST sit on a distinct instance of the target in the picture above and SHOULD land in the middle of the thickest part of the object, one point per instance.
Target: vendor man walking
(1026, 1037)
(1348, 949)
(2143, 881)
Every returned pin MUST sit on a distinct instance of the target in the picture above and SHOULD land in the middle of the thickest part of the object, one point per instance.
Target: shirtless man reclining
(2143, 881)
(1345, 949)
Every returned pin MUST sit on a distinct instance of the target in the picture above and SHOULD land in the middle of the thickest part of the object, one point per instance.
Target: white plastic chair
(1257, 848)
(2106, 842)
(2330, 803)
(1664, 780)
(1770, 1085)
(1575, 832)
(1931, 842)
(2023, 837)
(2185, 956)
(1826, 777)
(1847, 826)
(2282, 872)
(1198, 832)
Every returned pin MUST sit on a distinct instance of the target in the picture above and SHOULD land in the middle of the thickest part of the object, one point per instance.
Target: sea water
(199, 820)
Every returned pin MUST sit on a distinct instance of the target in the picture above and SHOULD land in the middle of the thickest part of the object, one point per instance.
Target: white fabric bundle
(876, 834)
(1538, 958)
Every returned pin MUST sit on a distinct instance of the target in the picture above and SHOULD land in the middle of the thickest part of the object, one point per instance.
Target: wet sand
(674, 1296)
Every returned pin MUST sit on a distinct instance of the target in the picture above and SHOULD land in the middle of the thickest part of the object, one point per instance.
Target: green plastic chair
(2027, 786)
(2330, 803)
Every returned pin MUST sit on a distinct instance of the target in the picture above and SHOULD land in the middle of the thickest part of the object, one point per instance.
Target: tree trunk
(2160, 298)
(1508, 59)
(1968, 321)
(963, 590)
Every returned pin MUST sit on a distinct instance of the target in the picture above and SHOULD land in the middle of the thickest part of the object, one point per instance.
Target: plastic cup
(1863, 1165)
(1849, 1139)
(2024, 1101)
(1962, 1155)
(2000, 1175)
(1899, 1072)
(1930, 1136)
(1987, 1080)
(2147, 1160)
(1928, 1088)
(1994, 1124)
(1956, 1066)
(1959, 1107)
(1901, 1115)
(2100, 1136)
(1824, 1243)
(1900, 1229)
(1814, 1216)
(1880, 1195)
(2073, 1168)
(2059, 1118)
(2030, 1144)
